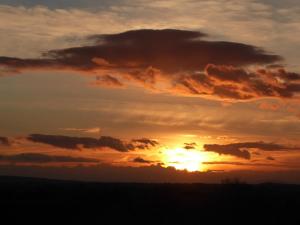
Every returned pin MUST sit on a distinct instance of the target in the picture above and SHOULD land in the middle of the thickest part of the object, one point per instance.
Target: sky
(150, 91)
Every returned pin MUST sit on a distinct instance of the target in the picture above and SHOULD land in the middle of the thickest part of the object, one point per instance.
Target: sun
(183, 159)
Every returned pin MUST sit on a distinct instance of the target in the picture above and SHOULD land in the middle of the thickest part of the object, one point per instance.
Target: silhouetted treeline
(28, 200)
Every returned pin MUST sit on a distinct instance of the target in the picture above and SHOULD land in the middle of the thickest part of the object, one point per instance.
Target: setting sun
(182, 159)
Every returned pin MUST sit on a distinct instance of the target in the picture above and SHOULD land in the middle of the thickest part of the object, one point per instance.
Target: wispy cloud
(93, 130)
(43, 27)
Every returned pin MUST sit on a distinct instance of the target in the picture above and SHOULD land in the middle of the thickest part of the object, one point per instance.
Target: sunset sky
(150, 91)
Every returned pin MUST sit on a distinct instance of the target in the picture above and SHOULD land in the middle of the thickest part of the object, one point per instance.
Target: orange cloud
(269, 106)
(182, 60)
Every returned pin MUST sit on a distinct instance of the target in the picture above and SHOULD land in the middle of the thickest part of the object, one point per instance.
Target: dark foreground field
(28, 200)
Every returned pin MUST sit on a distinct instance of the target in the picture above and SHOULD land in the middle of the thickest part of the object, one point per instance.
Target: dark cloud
(282, 73)
(141, 160)
(167, 50)
(270, 158)
(17, 65)
(87, 142)
(144, 143)
(241, 149)
(81, 142)
(4, 141)
(172, 50)
(43, 158)
(263, 146)
(188, 146)
(227, 73)
(227, 150)
(114, 143)
(107, 81)
(241, 163)
(225, 163)
(184, 59)
(64, 141)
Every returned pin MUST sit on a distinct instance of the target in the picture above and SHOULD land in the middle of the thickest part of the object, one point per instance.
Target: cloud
(227, 150)
(107, 81)
(269, 106)
(84, 130)
(92, 143)
(236, 83)
(81, 142)
(183, 61)
(43, 158)
(241, 150)
(270, 158)
(239, 163)
(141, 160)
(171, 51)
(188, 146)
(144, 143)
(4, 141)
(249, 164)
(61, 28)
(42, 28)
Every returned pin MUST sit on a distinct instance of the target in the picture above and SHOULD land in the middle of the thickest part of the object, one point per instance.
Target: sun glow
(182, 159)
